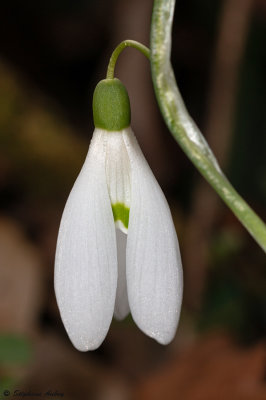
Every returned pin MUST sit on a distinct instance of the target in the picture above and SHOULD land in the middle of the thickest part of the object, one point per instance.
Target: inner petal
(121, 302)
(118, 175)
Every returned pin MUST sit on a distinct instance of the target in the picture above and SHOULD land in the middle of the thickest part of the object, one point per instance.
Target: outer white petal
(154, 268)
(86, 261)
(121, 302)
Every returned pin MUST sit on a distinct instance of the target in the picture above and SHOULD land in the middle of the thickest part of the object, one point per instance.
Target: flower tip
(85, 344)
(161, 337)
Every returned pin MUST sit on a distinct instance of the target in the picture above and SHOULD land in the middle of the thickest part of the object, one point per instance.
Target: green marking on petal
(121, 213)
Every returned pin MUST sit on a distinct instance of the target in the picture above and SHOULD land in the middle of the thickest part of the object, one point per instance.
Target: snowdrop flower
(117, 249)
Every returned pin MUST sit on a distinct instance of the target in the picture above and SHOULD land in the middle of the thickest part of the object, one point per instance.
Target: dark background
(52, 54)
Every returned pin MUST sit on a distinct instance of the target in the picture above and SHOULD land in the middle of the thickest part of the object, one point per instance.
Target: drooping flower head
(117, 249)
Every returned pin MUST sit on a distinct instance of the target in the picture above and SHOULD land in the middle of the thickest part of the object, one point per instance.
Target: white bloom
(92, 282)
(117, 249)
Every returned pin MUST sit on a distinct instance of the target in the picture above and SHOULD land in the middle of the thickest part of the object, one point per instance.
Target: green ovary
(121, 213)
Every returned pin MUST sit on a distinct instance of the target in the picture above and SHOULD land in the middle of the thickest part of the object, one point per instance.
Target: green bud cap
(111, 106)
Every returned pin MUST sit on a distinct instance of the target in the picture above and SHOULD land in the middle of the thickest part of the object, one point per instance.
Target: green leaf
(183, 128)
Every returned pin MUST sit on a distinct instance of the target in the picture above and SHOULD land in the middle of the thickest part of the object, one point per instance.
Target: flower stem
(183, 128)
(126, 43)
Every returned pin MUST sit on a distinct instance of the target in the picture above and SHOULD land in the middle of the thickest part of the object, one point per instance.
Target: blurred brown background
(52, 54)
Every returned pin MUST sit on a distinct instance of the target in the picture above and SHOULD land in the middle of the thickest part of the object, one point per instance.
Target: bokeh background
(52, 54)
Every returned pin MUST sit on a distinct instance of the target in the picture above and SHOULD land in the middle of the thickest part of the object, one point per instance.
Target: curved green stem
(126, 43)
(183, 128)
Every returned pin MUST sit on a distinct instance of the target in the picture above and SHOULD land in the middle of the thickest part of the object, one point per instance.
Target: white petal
(121, 302)
(86, 261)
(154, 269)
(118, 178)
